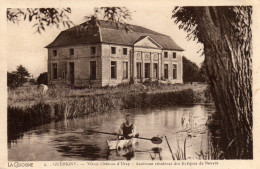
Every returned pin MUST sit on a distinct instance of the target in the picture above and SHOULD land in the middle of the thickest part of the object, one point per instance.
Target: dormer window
(93, 50)
(174, 55)
(165, 54)
(71, 52)
(113, 50)
(54, 52)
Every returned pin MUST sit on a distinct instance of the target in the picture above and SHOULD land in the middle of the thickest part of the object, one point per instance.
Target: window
(147, 70)
(54, 52)
(155, 70)
(166, 71)
(113, 70)
(174, 71)
(55, 70)
(138, 68)
(174, 55)
(124, 51)
(113, 50)
(93, 50)
(125, 70)
(165, 54)
(71, 52)
(93, 70)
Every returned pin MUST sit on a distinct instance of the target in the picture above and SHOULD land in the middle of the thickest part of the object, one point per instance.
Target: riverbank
(28, 96)
(29, 107)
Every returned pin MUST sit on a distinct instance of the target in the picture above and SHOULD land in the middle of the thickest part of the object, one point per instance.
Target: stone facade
(109, 64)
(76, 69)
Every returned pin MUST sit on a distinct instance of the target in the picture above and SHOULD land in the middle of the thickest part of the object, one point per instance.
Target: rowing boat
(115, 144)
(118, 144)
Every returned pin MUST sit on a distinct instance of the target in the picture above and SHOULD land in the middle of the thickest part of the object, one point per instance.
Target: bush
(43, 78)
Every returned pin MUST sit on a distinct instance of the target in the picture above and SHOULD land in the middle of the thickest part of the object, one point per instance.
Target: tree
(191, 72)
(12, 80)
(44, 17)
(17, 78)
(43, 78)
(22, 74)
(41, 16)
(226, 35)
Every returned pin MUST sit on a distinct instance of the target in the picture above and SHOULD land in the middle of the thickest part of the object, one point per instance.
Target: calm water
(64, 140)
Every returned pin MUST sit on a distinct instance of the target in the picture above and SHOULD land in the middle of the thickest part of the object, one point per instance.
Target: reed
(180, 153)
(214, 153)
(77, 107)
(142, 100)
(22, 119)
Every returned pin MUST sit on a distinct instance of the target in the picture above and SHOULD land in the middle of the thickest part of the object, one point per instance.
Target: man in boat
(127, 129)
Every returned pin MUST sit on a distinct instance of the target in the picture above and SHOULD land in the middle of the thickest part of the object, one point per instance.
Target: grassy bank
(24, 96)
(28, 107)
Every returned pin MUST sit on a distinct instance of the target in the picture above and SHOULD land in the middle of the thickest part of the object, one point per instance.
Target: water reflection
(65, 140)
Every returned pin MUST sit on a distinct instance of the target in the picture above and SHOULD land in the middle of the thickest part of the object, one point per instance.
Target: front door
(71, 72)
(147, 70)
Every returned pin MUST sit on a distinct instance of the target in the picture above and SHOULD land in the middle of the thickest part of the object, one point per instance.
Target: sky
(25, 47)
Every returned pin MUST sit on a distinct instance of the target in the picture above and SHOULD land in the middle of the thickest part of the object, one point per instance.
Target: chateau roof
(112, 33)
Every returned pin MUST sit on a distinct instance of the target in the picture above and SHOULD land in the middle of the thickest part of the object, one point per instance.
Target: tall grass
(21, 119)
(31, 94)
(214, 153)
(143, 100)
(76, 107)
(180, 153)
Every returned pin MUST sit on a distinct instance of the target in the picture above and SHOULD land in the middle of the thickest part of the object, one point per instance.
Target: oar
(154, 140)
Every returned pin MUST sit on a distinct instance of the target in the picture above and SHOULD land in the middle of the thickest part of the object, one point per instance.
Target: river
(65, 140)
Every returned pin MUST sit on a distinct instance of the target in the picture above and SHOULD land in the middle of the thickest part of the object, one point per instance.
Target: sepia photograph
(132, 82)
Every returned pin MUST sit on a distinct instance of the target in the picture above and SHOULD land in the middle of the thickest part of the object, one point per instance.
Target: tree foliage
(114, 14)
(42, 17)
(119, 15)
(191, 72)
(17, 78)
(203, 73)
(190, 20)
(12, 80)
(226, 35)
(43, 78)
